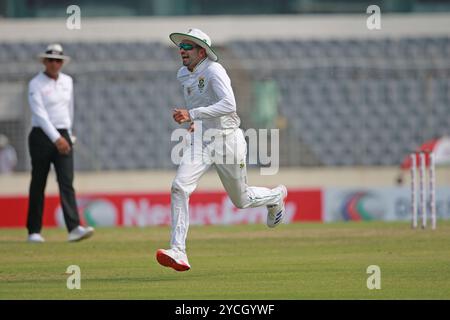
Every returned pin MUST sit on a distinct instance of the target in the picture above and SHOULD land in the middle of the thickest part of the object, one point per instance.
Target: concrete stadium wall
(225, 28)
(147, 181)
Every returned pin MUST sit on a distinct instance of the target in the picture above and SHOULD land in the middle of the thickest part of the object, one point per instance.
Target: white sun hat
(198, 37)
(54, 51)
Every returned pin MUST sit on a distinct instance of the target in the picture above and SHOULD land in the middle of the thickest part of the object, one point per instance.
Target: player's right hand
(62, 145)
(181, 115)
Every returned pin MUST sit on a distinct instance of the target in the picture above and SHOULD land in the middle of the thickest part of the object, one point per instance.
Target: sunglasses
(186, 46)
(54, 60)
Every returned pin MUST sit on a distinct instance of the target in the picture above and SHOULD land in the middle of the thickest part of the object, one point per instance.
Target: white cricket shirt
(51, 103)
(209, 96)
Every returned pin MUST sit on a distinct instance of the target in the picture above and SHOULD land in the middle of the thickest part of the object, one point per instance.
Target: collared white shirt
(209, 96)
(51, 103)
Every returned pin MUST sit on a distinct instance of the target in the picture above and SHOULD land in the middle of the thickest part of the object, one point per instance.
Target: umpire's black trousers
(43, 152)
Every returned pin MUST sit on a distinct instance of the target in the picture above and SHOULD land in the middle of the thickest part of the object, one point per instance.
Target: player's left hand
(181, 115)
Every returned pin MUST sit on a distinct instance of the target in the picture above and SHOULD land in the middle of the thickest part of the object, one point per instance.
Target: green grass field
(297, 261)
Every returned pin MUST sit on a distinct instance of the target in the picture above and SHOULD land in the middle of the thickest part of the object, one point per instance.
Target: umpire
(50, 95)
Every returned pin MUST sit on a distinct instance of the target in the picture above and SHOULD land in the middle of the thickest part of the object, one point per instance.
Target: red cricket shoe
(173, 258)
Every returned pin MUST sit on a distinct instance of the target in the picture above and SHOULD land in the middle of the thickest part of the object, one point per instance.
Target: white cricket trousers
(233, 176)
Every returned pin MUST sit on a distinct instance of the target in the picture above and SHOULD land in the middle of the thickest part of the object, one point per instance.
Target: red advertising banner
(146, 209)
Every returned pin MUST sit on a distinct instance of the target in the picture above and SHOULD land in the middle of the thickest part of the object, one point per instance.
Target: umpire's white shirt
(51, 103)
(209, 96)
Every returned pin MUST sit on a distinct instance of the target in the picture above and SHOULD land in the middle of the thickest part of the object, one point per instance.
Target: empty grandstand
(351, 100)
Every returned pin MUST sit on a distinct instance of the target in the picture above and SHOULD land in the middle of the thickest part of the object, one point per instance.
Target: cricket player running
(210, 105)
